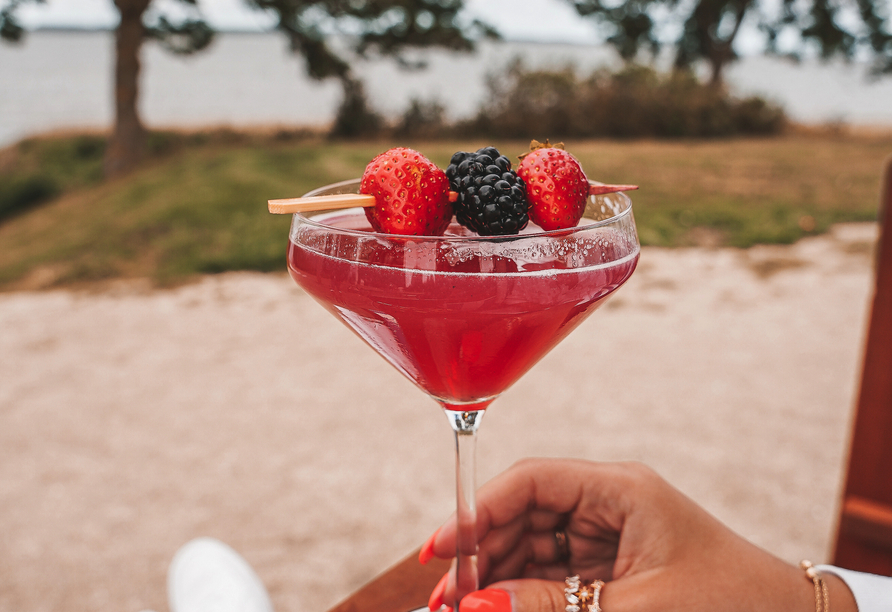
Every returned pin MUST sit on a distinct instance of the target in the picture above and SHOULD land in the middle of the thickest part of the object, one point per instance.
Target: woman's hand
(655, 548)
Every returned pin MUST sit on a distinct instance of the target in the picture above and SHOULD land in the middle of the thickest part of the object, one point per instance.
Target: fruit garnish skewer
(289, 206)
(599, 189)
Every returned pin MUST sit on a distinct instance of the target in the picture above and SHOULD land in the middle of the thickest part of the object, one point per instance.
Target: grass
(200, 205)
(745, 192)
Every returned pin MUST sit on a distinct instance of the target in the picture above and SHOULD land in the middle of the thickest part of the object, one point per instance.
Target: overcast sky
(544, 20)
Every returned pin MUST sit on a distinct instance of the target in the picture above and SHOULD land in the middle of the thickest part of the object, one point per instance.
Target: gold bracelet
(822, 599)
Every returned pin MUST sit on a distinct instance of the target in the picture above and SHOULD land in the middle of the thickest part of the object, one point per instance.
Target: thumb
(527, 595)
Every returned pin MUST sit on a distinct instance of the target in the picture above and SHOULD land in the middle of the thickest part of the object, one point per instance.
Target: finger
(427, 549)
(497, 541)
(498, 544)
(530, 485)
(533, 548)
(532, 555)
(532, 533)
(509, 552)
(544, 520)
(557, 572)
(517, 596)
(444, 592)
(548, 488)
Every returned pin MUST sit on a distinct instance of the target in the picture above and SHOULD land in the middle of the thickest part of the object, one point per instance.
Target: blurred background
(93, 90)
(161, 378)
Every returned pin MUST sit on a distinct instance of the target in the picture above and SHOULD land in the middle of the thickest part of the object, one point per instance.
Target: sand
(132, 420)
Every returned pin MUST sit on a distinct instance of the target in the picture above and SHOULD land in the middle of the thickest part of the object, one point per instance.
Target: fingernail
(486, 600)
(427, 549)
(436, 599)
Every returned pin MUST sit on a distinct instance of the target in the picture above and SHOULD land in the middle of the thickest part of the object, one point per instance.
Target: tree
(126, 146)
(383, 27)
(836, 28)
(9, 28)
(386, 28)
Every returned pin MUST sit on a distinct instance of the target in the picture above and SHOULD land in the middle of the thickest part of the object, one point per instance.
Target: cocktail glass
(461, 315)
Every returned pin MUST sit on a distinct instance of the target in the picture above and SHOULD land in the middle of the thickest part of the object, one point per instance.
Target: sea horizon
(248, 80)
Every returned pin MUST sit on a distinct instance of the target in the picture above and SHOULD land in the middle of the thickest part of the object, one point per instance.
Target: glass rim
(625, 212)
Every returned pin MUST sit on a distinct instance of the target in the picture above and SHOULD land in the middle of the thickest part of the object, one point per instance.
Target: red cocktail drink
(463, 320)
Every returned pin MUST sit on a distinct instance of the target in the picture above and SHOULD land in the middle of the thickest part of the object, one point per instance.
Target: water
(59, 80)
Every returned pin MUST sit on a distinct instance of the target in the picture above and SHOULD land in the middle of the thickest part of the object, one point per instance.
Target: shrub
(521, 102)
(632, 103)
(422, 119)
(355, 118)
(20, 194)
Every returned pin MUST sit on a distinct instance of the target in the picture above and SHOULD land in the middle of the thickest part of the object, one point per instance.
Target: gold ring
(563, 546)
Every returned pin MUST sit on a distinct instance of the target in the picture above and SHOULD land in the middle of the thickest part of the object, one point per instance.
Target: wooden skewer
(327, 202)
(290, 206)
(602, 189)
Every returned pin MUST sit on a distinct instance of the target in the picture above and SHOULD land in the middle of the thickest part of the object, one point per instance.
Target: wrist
(841, 598)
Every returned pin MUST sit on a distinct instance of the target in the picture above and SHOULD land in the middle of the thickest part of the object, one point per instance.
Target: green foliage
(709, 28)
(36, 170)
(634, 102)
(184, 38)
(355, 117)
(422, 119)
(386, 28)
(18, 194)
(10, 29)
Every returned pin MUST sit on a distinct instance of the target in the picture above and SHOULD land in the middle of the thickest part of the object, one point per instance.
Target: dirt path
(132, 421)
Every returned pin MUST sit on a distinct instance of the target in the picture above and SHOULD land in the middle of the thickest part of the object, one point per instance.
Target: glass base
(477, 406)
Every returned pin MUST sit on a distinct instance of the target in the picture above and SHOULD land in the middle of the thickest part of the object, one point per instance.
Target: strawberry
(556, 186)
(411, 194)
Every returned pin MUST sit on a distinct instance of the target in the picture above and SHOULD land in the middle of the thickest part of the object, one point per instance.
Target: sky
(539, 20)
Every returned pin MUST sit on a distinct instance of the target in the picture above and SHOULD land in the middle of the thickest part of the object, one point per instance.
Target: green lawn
(200, 205)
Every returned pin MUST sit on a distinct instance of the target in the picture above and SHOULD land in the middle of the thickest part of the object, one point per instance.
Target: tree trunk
(126, 147)
(720, 51)
(716, 66)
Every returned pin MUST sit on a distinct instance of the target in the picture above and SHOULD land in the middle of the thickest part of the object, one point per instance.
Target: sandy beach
(134, 419)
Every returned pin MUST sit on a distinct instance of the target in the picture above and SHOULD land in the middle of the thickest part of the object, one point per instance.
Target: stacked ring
(582, 598)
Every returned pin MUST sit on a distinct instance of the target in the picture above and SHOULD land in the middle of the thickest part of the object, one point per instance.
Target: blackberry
(492, 199)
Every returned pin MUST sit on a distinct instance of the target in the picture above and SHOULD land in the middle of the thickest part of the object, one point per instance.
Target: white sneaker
(206, 575)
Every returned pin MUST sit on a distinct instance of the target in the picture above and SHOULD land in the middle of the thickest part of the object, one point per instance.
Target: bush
(422, 120)
(20, 194)
(521, 103)
(632, 103)
(355, 117)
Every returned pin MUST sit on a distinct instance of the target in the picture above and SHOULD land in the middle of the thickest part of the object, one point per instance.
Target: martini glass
(461, 315)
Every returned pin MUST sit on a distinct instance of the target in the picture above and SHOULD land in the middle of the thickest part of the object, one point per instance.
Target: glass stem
(465, 425)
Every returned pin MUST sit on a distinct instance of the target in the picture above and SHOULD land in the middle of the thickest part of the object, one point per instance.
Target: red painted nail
(427, 549)
(436, 599)
(486, 600)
